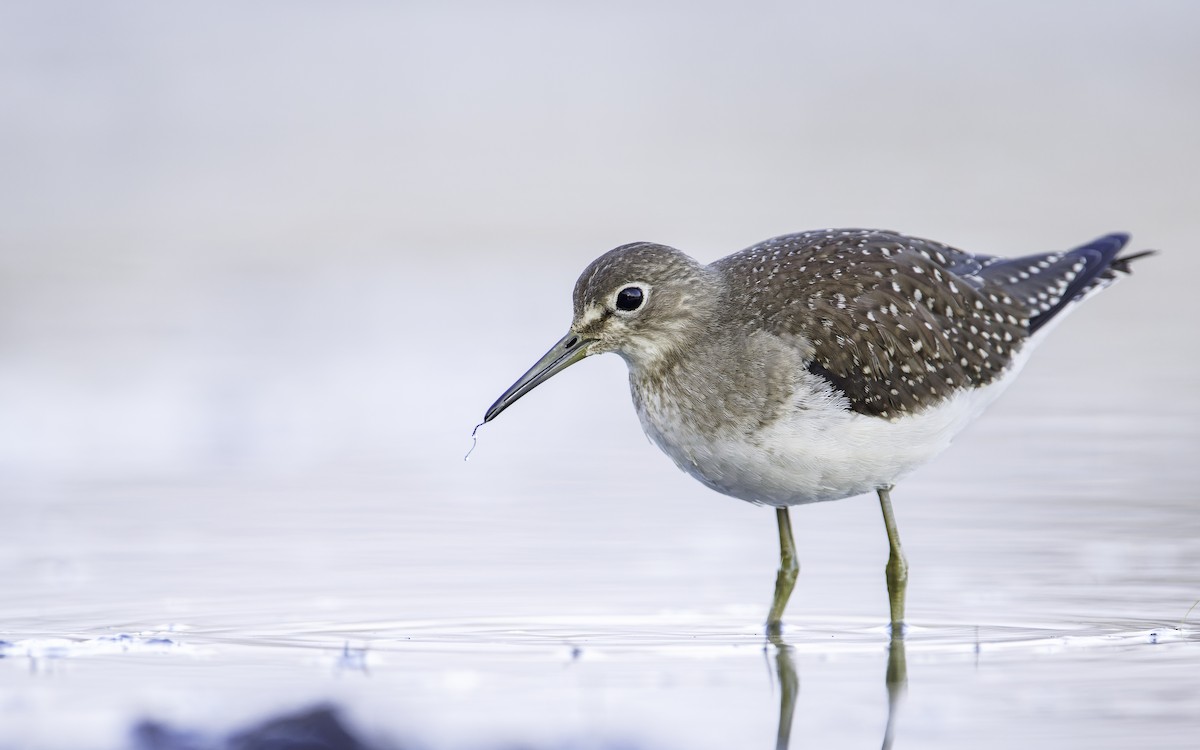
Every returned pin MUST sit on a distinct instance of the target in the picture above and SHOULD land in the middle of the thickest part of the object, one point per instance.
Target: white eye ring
(631, 297)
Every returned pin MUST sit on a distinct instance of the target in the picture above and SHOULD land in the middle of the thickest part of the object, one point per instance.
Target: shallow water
(665, 681)
(1048, 605)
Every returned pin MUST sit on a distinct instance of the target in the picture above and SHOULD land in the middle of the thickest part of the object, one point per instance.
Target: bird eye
(630, 298)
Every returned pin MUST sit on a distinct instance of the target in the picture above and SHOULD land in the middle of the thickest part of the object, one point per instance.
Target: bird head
(643, 301)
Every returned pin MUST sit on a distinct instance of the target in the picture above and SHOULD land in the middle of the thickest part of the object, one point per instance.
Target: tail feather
(1048, 283)
(1122, 264)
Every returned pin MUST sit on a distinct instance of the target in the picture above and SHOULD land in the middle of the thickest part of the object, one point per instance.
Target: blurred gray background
(275, 238)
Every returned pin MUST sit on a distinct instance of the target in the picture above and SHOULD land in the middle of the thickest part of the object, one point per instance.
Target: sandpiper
(820, 365)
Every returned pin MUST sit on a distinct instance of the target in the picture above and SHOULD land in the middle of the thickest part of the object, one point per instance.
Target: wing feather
(895, 322)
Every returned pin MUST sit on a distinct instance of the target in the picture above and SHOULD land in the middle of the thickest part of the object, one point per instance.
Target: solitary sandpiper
(820, 365)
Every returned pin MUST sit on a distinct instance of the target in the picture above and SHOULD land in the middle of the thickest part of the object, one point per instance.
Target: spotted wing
(889, 323)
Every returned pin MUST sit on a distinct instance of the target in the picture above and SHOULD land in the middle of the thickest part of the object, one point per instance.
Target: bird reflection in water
(895, 679)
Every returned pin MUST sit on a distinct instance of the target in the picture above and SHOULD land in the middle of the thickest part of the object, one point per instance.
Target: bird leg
(785, 581)
(897, 566)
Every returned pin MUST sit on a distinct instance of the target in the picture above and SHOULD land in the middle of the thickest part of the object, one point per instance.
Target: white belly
(819, 452)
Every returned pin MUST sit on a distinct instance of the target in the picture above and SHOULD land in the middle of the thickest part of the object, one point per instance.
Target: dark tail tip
(1122, 264)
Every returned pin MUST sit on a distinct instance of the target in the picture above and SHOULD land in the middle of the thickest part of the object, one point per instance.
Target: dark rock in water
(150, 735)
(317, 728)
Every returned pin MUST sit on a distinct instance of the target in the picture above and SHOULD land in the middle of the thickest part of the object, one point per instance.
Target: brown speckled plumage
(889, 324)
(894, 323)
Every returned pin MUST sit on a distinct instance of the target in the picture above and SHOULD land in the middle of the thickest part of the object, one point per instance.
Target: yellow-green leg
(897, 566)
(785, 581)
